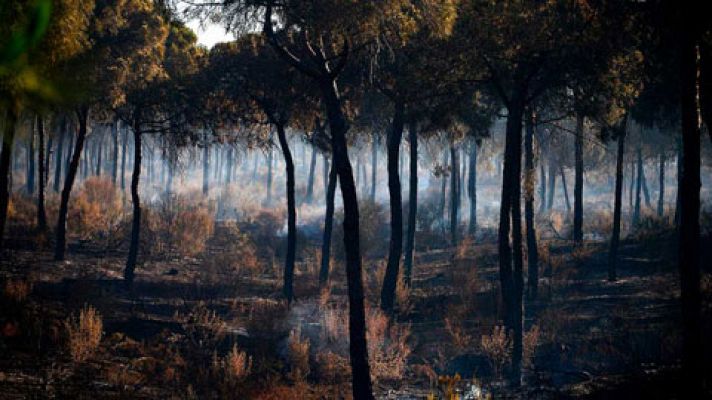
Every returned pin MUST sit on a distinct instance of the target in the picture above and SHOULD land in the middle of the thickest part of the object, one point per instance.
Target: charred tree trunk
(358, 349)
(288, 289)
(115, 155)
(566, 190)
(59, 155)
(454, 193)
(328, 224)
(310, 179)
(206, 164)
(443, 185)
(552, 183)
(693, 365)
(578, 182)
(374, 165)
(678, 195)
(41, 214)
(472, 188)
(31, 163)
(98, 147)
(269, 177)
(615, 236)
(646, 193)
(8, 139)
(412, 205)
(529, 176)
(390, 280)
(123, 158)
(638, 188)
(661, 183)
(542, 180)
(60, 244)
(130, 268)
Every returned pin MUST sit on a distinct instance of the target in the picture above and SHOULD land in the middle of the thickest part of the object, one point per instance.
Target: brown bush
(374, 231)
(96, 209)
(236, 255)
(17, 290)
(332, 368)
(84, 333)
(231, 369)
(203, 327)
(498, 348)
(298, 355)
(388, 347)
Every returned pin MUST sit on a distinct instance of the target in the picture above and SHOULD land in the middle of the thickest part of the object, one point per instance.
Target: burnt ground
(597, 339)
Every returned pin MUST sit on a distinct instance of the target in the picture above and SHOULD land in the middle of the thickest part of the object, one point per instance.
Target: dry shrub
(298, 355)
(530, 343)
(460, 338)
(266, 318)
(404, 302)
(334, 325)
(388, 347)
(190, 230)
(22, 210)
(237, 255)
(332, 368)
(84, 333)
(96, 209)
(264, 228)
(497, 347)
(235, 367)
(203, 327)
(17, 290)
(373, 228)
(374, 281)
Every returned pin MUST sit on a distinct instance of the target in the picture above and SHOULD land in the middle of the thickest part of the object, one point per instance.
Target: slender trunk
(288, 289)
(529, 176)
(693, 365)
(566, 190)
(310, 179)
(123, 158)
(646, 193)
(5, 157)
(443, 185)
(98, 146)
(328, 224)
(412, 205)
(206, 165)
(615, 236)
(472, 188)
(60, 243)
(678, 195)
(41, 214)
(115, 155)
(552, 183)
(454, 193)
(390, 280)
(638, 188)
(269, 177)
(58, 156)
(129, 270)
(374, 165)
(326, 171)
(358, 349)
(631, 188)
(661, 183)
(578, 182)
(230, 165)
(542, 180)
(31, 163)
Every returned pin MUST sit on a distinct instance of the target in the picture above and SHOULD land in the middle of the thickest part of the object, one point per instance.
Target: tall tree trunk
(615, 236)
(206, 164)
(123, 158)
(529, 176)
(310, 179)
(472, 188)
(41, 214)
(374, 165)
(542, 181)
(552, 183)
(646, 193)
(638, 188)
(631, 188)
(328, 224)
(8, 139)
(678, 195)
(269, 177)
(230, 165)
(288, 289)
(412, 205)
(60, 243)
(31, 163)
(443, 185)
(693, 365)
(390, 279)
(98, 147)
(454, 193)
(578, 182)
(661, 183)
(566, 190)
(130, 268)
(59, 154)
(115, 155)
(358, 349)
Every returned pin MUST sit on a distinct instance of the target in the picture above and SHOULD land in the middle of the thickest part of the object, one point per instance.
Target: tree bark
(130, 268)
(578, 182)
(288, 289)
(661, 185)
(678, 195)
(693, 365)
(98, 146)
(269, 177)
(5, 158)
(542, 180)
(638, 188)
(41, 214)
(123, 158)
(31, 163)
(566, 190)
(310, 179)
(443, 184)
(115, 155)
(412, 205)
(206, 164)
(552, 183)
(472, 188)
(60, 243)
(328, 224)
(59, 155)
(529, 176)
(374, 165)
(615, 236)
(646, 192)
(454, 193)
(390, 279)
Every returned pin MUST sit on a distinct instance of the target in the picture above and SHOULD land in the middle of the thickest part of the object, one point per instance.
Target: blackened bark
(130, 268)
(566, 189)
(60, 243)
(638, 188)
(412, 205)
(310, 179)
(552, 183)
(454, 193)
(31, 163)
(443, 185)
(41, 214)
(374, 165)
(8, 138)
(115, 155)
(678, 195)
(615, 236)
(98, 150)
(390, 279)
(529, 176)
(693, 366)
(288, 289)
(269, 177)
(661, 185)
(472, 188)
(206, 164)
(58, 155)
(123, 158)
(646, 193)
(578, 182)
(230, 165)
(328, 224)
(542, 181)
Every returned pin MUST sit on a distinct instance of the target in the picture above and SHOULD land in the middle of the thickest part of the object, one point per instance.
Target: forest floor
(589, 338)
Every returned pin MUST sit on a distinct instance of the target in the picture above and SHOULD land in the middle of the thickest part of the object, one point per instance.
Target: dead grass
(497, 346)
(298, 355)
(84, 333)
(17, 290)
